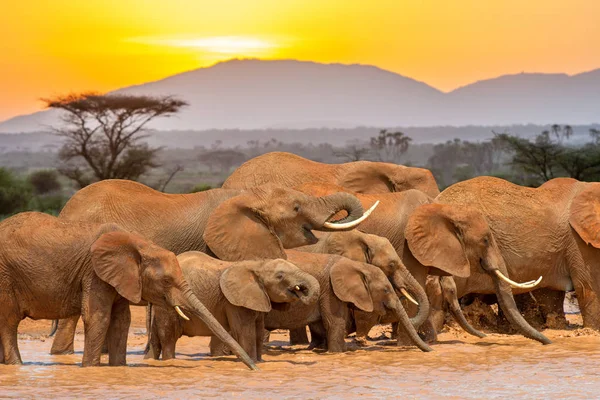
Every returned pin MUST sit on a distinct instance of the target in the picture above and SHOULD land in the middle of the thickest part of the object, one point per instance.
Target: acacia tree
(103, 134)
(389, 146)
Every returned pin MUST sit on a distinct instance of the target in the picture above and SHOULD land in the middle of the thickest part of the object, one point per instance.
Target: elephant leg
(1, 351)
(9, 325)
(96, 312)
(334, 314)
(364, 322)
(427, 332)
(65, 336)
(589, 303)
(298, 336)
(318, 336)
(217, 347)
(166, 329)
(242, 323)
(259, 330)
(551, 304)
(116, 339)
(8, 338)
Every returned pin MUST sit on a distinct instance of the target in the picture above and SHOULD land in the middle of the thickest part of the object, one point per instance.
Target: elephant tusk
(297, 288)
(181, 314)
(526, 285)
(408, 296)
(351, 224)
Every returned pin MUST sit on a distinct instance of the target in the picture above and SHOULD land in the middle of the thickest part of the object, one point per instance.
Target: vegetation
(102, 134)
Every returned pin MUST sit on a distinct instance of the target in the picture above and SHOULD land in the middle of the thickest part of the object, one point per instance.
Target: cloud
(213, 44)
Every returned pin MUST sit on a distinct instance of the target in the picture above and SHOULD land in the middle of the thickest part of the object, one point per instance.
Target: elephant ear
(367, 178)
(433, 240)
(241, 287)
(116, 260)
(237, 230)
(349, 283)
(585, 215)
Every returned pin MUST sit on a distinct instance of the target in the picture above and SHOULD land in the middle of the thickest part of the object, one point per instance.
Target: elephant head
(140, 270)
(378, 251)
(261, 222)
(458, 241)
(368, 289)
(380, 177)
(262, 285)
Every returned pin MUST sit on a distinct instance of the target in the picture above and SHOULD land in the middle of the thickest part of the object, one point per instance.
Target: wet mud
(461, 367)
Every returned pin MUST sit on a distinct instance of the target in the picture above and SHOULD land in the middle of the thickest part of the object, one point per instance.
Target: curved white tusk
(351, 224)
(297, 288)
(408, 296)
(181, 314)
(527, 285)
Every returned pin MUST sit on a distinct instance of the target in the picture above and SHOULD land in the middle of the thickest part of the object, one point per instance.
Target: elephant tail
(54, 327)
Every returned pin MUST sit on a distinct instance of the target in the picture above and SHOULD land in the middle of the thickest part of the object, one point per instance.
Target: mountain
(257, 94)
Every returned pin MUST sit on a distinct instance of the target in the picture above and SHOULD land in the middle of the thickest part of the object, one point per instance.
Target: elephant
(53, 268)
(238, 294)
(435, 238)
(232, 225)
(290, 170)
(441, 290)
(550, 231)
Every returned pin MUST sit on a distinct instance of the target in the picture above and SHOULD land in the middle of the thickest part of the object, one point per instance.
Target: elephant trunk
(406, 323)
(405, 280)
(508, 305)
(336, 202)
(53, 328)
(458, 315)
(195, 306)
(310, 289)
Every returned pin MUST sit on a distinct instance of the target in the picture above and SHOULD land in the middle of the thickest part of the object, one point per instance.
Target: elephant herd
(288, 243)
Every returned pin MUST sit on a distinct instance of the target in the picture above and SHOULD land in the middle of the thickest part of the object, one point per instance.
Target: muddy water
(460, 367)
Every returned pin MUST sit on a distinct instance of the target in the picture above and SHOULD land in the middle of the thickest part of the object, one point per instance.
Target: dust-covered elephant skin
(377, 251)
(232, 225)
(238, 294)
(290, 170)
(344, 283)
(52, 269)
(550, 231)
(434, 238)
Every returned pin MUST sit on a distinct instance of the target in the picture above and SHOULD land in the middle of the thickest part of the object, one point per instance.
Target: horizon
(74, 46)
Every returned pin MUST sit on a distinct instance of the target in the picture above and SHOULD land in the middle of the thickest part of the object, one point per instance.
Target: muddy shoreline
(461, 366)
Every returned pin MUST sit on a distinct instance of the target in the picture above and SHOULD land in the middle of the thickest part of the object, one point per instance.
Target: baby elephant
(238, 294)
(52, 269)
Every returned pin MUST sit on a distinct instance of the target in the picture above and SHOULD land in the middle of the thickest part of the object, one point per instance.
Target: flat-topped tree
(103, 134)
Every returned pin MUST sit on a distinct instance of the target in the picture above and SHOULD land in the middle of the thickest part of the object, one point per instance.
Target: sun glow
(229, 45)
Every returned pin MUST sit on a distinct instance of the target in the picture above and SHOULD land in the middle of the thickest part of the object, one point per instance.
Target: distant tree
(223, 159)
(352, 153)
(201, 188)
(103, 134)
(547, 156)
(44, 181)
(389, 146)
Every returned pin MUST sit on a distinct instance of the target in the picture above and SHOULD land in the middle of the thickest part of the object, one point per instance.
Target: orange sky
(52, 47)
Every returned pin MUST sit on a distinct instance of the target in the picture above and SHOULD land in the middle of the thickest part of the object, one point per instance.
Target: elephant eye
(279, 275)
(486, 241)
(167, 280)
(296, 208)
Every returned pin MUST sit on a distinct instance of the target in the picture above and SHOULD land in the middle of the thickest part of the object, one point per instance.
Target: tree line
(103, 138)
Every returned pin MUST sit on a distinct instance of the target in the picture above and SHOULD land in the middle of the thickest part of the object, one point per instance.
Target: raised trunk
(407, 281)
(406, 323)
(195, 306)
(508, 305)
(458, 315)
(341, 201)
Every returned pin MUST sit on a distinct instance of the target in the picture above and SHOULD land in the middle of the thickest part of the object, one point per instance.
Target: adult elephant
(433, 238)
(550, 231)
(52, 268)
(232, 225)
(290, 170)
